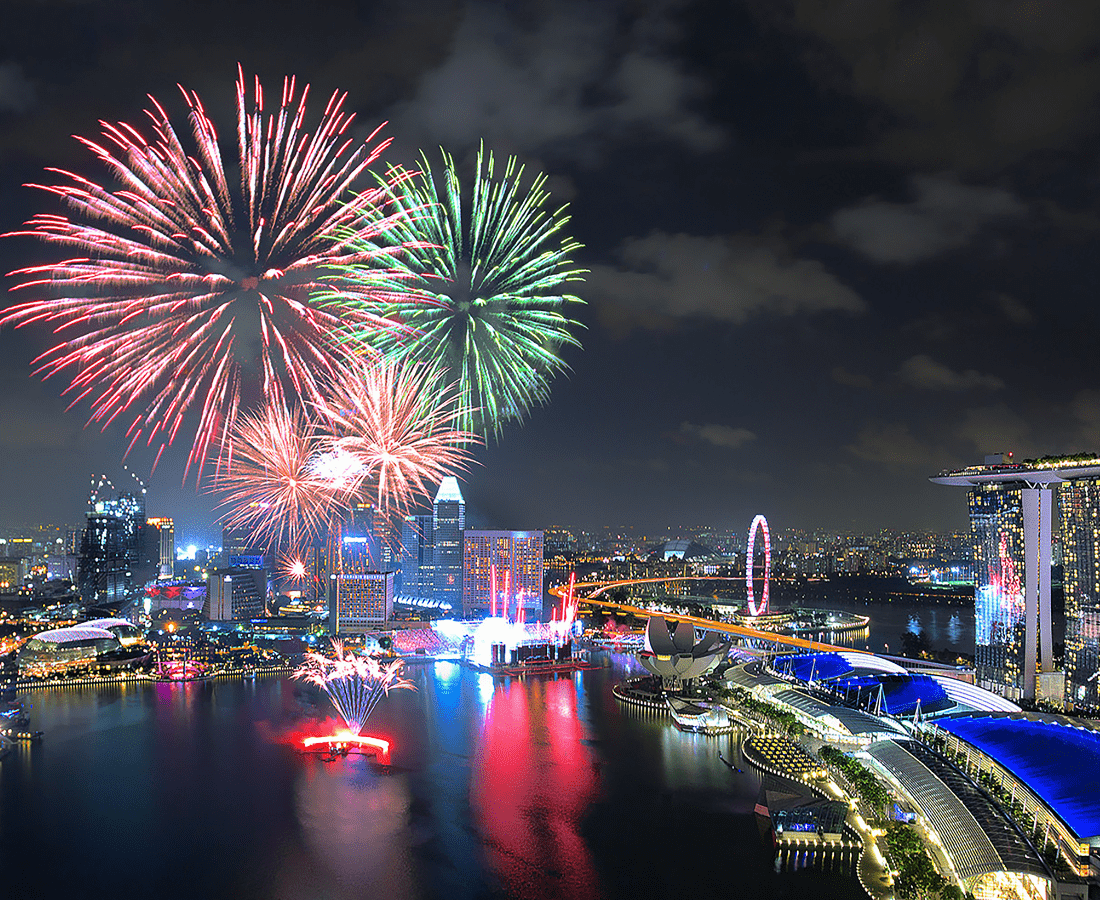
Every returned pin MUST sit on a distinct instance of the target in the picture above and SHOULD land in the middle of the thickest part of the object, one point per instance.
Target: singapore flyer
(761, 523)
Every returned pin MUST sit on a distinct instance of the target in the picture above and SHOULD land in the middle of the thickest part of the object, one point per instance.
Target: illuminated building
(415, 560)
(997, 527)
(1011, 508)
(12, 573)
(448, 523)
(358, 555)
(65, 648)
(111, 546)
(360, 602)
(182, 595)
(163, 529)
(514, 558)
(241, 548)
(236, 594)
(1079, 505)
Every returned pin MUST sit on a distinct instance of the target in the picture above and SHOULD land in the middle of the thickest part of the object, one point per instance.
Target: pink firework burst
(182, 291)
(271, 486)
(396, 423)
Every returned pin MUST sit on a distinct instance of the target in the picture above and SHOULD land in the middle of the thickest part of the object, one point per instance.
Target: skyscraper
(165, 533)
(111, 546)
(1079, 505)
(417, 578)
(1011, 509)
(997, 531)
(448, 523)
(515, 558)
(241, 548)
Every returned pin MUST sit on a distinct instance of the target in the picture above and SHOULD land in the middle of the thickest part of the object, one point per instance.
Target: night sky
(834, 247)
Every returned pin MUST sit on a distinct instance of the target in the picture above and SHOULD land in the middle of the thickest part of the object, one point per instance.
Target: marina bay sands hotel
(1011, 521)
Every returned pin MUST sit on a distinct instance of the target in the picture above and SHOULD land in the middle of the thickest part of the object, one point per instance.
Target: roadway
(697, 621)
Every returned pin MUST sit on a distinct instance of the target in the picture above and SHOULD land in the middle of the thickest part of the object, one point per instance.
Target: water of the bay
(543, 787)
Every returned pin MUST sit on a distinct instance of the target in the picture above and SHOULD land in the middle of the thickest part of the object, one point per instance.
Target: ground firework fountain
(354, 684)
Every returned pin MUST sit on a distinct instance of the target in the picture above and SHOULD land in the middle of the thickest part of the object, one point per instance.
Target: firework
(481, 284)
(179, 290)
(393, 429)
(352, 682)
(272, 486)
(292, 568)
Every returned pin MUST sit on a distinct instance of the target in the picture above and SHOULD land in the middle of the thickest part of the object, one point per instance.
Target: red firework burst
(271, 485)
(396, 422)
(183, 288)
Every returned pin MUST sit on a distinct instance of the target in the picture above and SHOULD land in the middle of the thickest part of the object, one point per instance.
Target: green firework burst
(481, 286)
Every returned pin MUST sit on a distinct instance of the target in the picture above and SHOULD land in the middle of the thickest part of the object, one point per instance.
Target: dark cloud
(730, 279)
(895, 445)
(17, 93)
(718, 435)
(944, 215)
(975, 84)
(571, 73)
(921, 371)
(991, 429)
(1014, 309)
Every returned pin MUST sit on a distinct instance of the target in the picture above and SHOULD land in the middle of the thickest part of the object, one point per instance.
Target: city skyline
(817, 272)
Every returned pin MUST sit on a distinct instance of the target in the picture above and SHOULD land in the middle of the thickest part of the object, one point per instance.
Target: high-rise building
(236, 594)
(1079, 505)
(997, 532)
(1011, 508)
(417, 578)
(514, 558)
(448, 523)
(360, 602)
(241, 547)
(110, 567)
(165, 533)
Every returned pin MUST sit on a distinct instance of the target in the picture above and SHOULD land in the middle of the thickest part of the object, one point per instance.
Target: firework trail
(182, 291)
(495, 269)
(394, 423)
(353, 683)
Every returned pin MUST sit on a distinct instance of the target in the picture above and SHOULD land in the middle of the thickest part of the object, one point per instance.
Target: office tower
(448, 523)
(166, 544)
(415, 558)
(1079, 505)
(515, 557)
(236, 594)
(357, 555)
(110, 567)
(360, 602)
(240, 547)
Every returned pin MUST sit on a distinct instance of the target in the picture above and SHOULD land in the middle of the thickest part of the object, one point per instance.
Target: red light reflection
(533, 783)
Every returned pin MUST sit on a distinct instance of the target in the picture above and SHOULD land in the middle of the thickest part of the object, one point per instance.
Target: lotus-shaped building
(675, 655)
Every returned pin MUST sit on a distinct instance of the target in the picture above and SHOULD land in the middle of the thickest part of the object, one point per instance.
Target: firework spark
(395, 424)
(182, 290)
(352, 682)
(271, 486)
(292, 568)
(494, 270)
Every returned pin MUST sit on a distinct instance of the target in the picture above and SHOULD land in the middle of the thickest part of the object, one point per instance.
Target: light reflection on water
(533, 788)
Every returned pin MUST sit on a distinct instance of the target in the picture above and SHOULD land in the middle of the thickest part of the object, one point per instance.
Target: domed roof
(76, 633)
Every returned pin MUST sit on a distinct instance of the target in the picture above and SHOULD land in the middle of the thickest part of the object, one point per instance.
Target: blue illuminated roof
(900, 693)
(1058, 762)
(818, 666)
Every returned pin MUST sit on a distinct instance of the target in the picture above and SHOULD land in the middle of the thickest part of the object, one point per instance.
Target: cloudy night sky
(834, 247)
